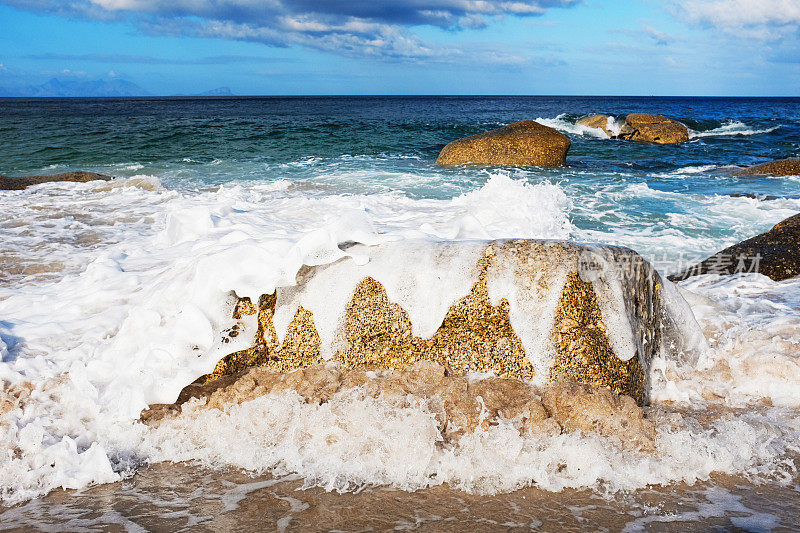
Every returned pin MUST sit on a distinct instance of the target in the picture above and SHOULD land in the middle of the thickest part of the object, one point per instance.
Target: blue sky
(670, 47)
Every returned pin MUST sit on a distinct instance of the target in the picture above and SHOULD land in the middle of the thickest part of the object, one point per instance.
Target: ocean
(112, 296)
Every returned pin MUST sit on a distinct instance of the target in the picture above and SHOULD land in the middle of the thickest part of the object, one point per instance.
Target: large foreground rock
(521, 309)
(642, 127)
(781, 167)
(524, 143)
(8, 183)
(776, 254)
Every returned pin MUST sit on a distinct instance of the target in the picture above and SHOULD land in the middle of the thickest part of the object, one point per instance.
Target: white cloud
(359, 28)
(658, 36)
(761, 19)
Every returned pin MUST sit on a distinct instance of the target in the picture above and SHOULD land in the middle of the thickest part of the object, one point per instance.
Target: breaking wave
(731, 127)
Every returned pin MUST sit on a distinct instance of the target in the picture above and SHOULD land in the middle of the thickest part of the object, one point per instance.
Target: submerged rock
(776, 254)
(8, 183)
(580, 407)
(521, 309)
(781, 167)
(524, 143)
(460, 405)
(598, 122)
(642, 127)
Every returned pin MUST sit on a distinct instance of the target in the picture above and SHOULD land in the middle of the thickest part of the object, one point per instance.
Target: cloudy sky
(666, 47)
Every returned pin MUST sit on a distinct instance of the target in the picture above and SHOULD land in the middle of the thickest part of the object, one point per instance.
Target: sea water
(113, 295)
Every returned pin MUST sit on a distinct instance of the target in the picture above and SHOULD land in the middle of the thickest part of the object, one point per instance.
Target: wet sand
(177, 497)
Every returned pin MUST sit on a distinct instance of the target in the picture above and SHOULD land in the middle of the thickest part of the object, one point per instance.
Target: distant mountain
(71, 87)
(78, 87)
(219, 91)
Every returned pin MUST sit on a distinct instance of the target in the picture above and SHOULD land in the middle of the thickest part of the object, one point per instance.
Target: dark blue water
(161, 133)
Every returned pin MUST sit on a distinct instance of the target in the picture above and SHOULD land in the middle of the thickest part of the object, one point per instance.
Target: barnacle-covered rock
(781, 167)
(528, 310)
(643, 127)
(523, 143)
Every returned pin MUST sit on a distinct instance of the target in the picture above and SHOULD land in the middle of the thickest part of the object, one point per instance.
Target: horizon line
(389, 95)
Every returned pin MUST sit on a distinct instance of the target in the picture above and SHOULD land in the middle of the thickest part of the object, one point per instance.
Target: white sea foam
(684, 171)
(683, 229)
(753, 328)
(354, 440)
(731, 127)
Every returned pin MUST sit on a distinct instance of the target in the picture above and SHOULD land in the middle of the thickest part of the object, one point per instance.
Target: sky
(283, 47)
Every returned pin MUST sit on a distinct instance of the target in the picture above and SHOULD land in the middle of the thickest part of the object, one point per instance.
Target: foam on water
(568, 125)
(753, 328)
(719, 502)
(731, 127)
(352, 441)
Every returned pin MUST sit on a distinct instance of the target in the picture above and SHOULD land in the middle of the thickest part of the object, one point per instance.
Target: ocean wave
(731, 127)
(140, 303)
(566, 124)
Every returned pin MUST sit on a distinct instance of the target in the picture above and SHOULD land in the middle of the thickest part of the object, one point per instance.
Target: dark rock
(776, 254)
(8, 183)
(642, 127)
(157, 411)
(763, 197)
(782, 167)
(524, 143)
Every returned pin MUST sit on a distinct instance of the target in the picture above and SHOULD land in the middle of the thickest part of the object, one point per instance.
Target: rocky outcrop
(597, 121)
(8, 183)
(524, 143)
(641, 127)
(776, 254)
(520, 309)
(781, 167)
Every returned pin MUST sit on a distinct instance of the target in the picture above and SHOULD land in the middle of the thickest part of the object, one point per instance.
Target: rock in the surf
(781, 167)
(642, 127)
(521, 309)
(580, 407)
(598, 122)
(776, 254)
(459, 405)
(524, 143)
(9, 183)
